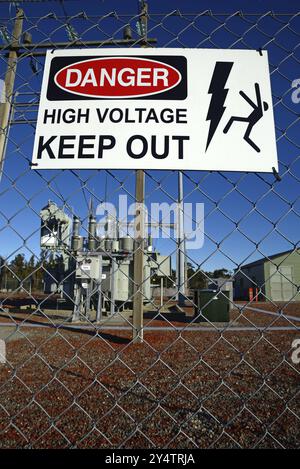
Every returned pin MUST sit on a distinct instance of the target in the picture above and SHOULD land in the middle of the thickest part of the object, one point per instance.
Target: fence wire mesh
(194, 382)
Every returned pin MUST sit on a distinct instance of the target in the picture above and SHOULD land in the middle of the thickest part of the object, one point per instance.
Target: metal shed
(275, 278)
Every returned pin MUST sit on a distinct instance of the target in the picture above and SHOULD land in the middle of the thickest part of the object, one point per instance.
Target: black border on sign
(179, 92)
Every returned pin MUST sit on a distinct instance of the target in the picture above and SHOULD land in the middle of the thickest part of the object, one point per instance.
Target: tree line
(196, 278)
(19, 270)
(32, 272)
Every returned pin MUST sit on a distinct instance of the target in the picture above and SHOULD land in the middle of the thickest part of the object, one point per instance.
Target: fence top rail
(176, 12)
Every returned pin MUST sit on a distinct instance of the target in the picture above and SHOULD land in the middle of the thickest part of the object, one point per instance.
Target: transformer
(55, 227)
(94, 272)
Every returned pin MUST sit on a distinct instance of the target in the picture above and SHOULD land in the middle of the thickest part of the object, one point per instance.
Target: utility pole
(5, 108)
(138, 259)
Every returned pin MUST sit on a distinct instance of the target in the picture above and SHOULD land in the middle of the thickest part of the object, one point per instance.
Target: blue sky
(246, 215)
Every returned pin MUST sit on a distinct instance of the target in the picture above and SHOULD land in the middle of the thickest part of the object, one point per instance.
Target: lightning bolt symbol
(218, 96)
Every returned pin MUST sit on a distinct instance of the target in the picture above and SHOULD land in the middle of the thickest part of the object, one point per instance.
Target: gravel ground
(282, 314)
(177, 390)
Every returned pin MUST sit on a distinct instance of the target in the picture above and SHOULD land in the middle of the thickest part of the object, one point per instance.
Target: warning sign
(183, 109)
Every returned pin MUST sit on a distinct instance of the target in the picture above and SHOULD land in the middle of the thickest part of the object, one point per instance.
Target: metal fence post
(181, 283)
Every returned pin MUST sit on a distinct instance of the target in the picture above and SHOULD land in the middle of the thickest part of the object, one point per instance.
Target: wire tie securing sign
(276, 174)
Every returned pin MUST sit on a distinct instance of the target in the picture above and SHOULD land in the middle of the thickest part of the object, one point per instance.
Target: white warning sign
(184, 109)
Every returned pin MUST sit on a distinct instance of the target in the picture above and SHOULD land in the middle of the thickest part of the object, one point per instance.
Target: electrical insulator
(127, 33)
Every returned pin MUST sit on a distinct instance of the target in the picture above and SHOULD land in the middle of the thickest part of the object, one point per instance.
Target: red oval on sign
(117, 77)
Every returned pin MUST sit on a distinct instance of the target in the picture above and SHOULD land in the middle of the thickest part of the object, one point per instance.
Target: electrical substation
(94, 272)
(152, 304)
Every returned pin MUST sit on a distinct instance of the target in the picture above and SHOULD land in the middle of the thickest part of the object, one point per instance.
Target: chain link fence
(78, 380)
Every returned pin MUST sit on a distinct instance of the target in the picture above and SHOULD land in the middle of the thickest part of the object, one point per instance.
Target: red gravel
(194, 389)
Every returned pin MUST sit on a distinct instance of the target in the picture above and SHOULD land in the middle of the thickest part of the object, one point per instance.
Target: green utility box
(213, 305)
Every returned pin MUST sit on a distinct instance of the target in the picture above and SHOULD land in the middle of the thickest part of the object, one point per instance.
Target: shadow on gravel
(107, 336)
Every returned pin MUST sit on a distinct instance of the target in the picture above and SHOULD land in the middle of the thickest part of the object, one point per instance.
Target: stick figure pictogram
(258, 111)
